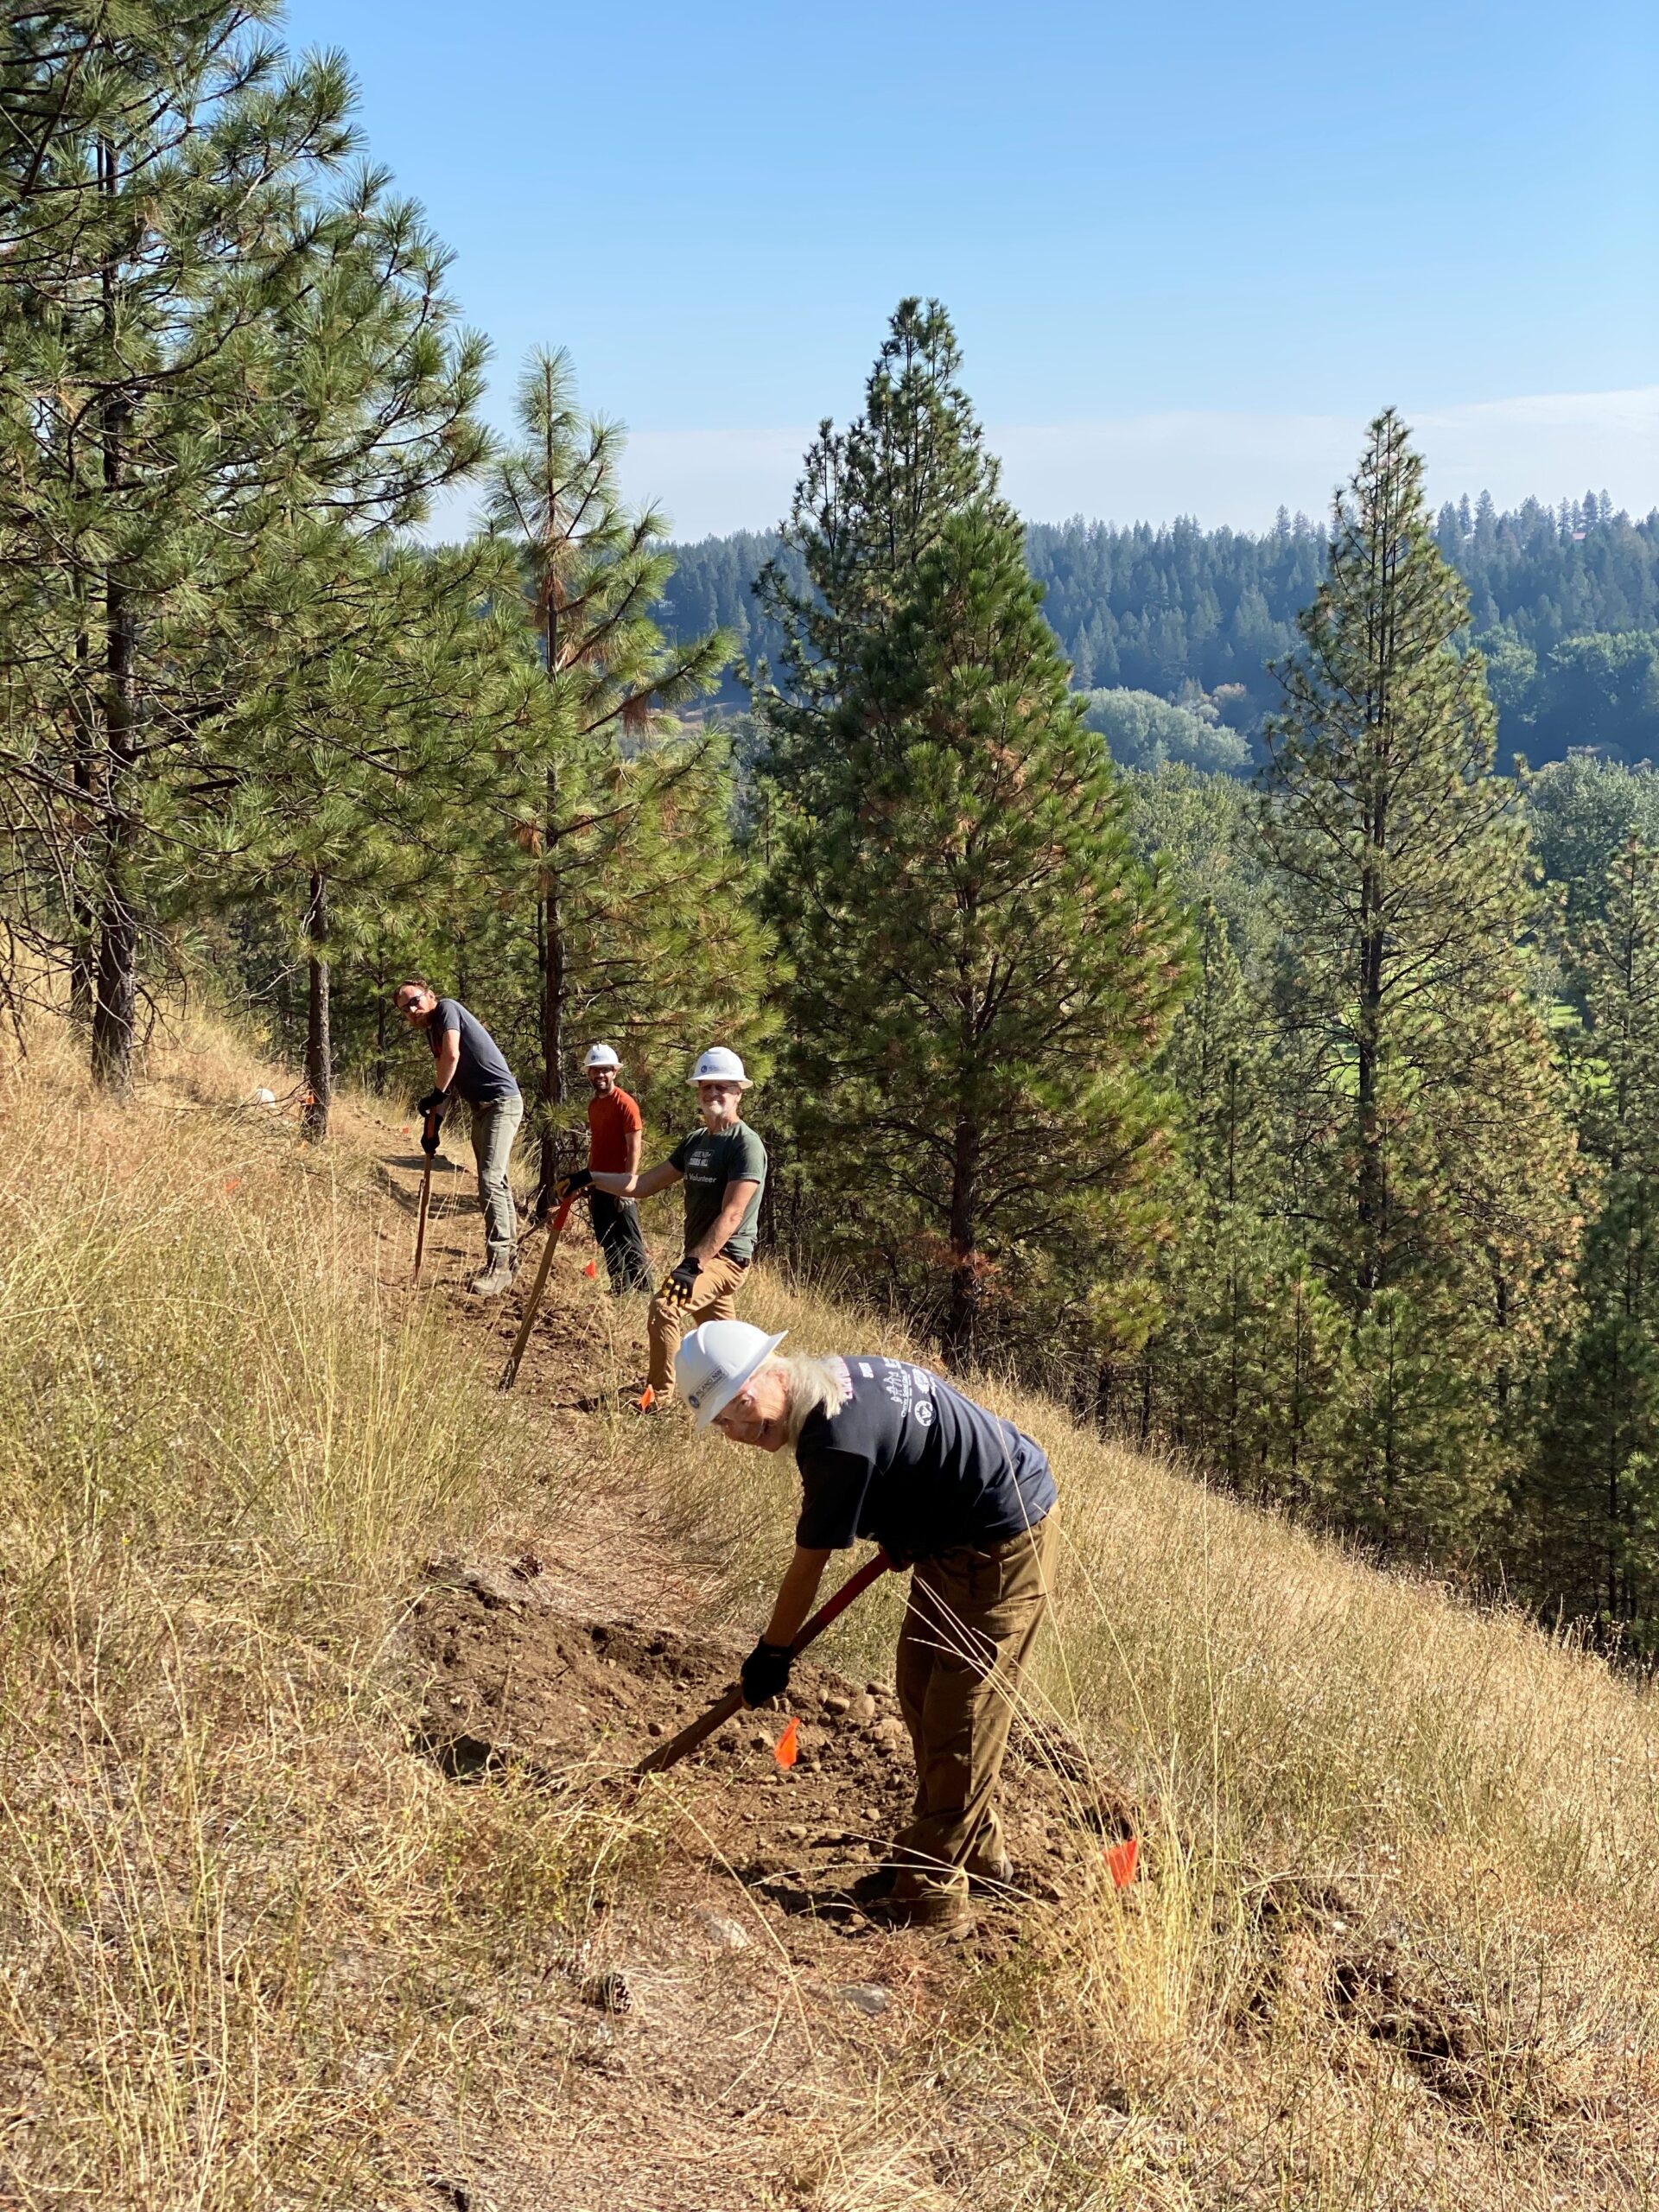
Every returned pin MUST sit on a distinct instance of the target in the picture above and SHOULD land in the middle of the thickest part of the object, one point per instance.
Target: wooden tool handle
(671, 1753)
(510, 1372)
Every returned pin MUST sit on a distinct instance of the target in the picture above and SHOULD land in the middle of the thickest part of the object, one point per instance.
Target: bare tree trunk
(115, 1008)
(963, 1312)
(115, 1003)
(555, 991)
(319, 1041)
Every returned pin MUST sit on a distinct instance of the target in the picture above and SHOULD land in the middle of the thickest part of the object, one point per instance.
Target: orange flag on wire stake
(591, 1269)
(787, 1749)
(1121, 1859)
(647, 1398)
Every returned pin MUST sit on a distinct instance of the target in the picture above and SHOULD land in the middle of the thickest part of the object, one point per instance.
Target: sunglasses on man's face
(408, 1006)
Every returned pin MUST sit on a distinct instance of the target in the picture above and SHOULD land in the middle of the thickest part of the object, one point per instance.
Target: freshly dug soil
(510, 1678)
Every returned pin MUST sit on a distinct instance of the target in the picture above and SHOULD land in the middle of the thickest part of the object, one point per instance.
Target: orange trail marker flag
(591, 1269)
(647, 1398)
(787, 1749)
(1121, 1859)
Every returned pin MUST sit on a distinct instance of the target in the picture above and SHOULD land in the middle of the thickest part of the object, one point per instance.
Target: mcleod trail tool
(510, 1372)
(674, 1751)
(429, 1128)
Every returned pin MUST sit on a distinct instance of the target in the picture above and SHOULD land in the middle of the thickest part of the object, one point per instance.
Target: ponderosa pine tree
(641, 914)
(871, 502)
(1431, 1160)
(985, 973)
(1589, 1508)
(223, 350)
(1245, 1367)
(346, 775)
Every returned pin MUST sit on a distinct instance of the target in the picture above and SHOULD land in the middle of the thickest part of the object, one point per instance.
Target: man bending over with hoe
(892, 1454)
(723, 1167)
(468, 1063)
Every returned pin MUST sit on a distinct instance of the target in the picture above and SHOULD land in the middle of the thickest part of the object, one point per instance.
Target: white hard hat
(715, 1361)
(720, 1065)
(600, 1056)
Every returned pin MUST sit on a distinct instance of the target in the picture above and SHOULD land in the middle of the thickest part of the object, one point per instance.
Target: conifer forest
(1213, 977)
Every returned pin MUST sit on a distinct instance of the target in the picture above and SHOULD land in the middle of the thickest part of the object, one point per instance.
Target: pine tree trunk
(115, 1001)
(115, 998)
(83, 919)
(963, 1311)
(319, 1041)
(555, 974)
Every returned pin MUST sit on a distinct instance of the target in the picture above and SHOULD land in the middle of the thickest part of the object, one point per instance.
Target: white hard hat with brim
(715, 1360)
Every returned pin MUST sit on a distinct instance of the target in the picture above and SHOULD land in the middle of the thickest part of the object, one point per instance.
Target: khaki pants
(494, 1128)
(967, 1629)
(713, 1298)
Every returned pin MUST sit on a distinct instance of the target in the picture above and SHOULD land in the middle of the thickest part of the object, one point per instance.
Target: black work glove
(577, 1180)
(765, 1672)
(678, 1286)
(429, 1135)
(432, 1103)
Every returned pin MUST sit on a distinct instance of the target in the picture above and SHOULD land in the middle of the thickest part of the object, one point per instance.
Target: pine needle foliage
(630, 890)
(983, 970)
(871, 503)
(1432, 1156)
(1591, 1503)
(225, 345)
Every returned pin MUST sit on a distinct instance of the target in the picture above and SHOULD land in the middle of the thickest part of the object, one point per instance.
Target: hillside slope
(322, 1882)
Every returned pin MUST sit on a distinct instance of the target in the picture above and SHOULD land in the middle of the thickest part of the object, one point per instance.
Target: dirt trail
(732, 2010)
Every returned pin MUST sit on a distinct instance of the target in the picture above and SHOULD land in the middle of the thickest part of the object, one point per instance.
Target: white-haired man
(723, 1164)
(615, 1138)
(890, 1452)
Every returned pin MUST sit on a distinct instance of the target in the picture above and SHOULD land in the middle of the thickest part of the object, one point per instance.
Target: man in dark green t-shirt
(723, 1165)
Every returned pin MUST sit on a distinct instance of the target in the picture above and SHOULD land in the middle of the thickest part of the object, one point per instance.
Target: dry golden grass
(1395, 1944)
(1378, 1823)
(250, 1951)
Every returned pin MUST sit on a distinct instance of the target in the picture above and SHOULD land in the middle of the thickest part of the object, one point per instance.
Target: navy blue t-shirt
(911, 1463)
(482, 1077)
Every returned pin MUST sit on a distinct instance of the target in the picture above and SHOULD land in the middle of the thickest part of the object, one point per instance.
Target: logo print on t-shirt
(925, 1411)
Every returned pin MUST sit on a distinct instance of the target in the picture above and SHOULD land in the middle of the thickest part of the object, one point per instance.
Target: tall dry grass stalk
(1335, 1764)
(250, 1950)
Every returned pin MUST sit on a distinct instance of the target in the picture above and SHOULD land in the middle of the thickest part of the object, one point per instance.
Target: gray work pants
(494, 1128)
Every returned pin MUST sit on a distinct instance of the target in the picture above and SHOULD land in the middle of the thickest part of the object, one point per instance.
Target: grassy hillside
(1393, 1945)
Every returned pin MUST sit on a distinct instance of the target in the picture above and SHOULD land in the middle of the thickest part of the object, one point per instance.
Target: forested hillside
(1564, 602)
(1294, 1125)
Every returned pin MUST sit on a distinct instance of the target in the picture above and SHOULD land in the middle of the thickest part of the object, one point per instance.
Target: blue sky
(1188, 249)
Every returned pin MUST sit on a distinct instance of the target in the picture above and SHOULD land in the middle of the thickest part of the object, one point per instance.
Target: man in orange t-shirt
(616, 1133)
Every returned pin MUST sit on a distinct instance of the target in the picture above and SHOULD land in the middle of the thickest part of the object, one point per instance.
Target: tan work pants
(713, 1298)
(967, 1629)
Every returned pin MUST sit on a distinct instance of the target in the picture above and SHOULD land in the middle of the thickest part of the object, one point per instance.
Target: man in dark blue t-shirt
(890, 1452)
(468, 1063)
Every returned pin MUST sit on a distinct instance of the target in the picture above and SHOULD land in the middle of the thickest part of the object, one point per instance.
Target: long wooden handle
(671, 1753)
(510, 1372)
(426, 1200)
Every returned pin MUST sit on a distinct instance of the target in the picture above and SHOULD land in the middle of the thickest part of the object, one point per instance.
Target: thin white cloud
(1232, 468)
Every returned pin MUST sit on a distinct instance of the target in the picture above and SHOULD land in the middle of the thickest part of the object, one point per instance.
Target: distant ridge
(1168, 607)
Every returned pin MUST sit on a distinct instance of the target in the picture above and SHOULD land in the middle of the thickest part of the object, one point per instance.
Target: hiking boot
(996, 1876)
(496, 1279)
(936, 1912)
(874, 1888)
